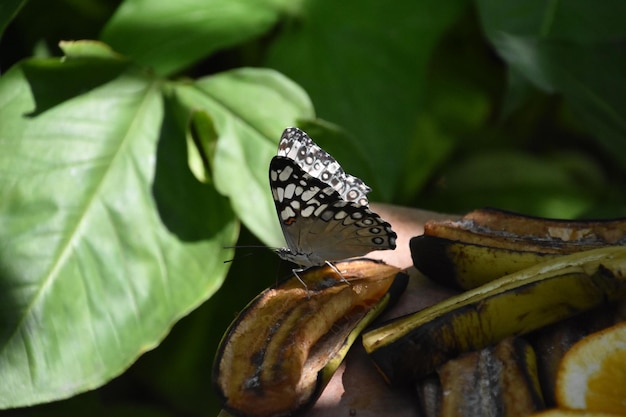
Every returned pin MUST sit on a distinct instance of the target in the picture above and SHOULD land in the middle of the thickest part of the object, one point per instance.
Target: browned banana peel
(282, 349)
(498, 380)
(488, 243)
(429, 395)
(412, 346)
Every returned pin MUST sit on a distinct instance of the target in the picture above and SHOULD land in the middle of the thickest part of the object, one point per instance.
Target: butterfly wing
(298, 146)
(317, 223)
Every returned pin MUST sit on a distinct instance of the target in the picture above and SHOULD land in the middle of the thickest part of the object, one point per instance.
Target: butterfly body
(323, 211)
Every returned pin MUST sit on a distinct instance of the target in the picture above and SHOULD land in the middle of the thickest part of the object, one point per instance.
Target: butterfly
(323, 211)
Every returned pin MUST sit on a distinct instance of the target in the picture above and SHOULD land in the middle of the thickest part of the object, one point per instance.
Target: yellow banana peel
(282, 349)
(413, 346)
(488, 243)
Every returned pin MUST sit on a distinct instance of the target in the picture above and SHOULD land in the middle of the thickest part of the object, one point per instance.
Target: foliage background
(445, 106)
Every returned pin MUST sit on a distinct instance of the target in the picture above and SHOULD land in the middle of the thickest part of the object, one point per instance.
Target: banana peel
(429, 396)
(498, 380)
(488, 243)
(413, 346)
(282, 349)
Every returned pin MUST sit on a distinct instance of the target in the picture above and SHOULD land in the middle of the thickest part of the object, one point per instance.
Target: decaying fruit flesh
(412, 346)
(283, 347)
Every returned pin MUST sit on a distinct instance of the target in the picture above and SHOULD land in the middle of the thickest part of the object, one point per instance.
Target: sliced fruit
(412, 346)
(429, 396)
(464, 265)
(592, 375)
(488, 243)
(552, 342)
(282, 349)
(493, 227)
(498, 380)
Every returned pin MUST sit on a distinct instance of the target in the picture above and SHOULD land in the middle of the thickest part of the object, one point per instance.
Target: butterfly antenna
(239, 257)
(243, 247)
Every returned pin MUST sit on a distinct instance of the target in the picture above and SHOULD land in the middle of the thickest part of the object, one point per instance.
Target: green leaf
(170, 35)
(577, 21)
(8, 10)
(573, 48)
(88, 49)
(249, 109)
(564, 185)
(106, 238)
(364, 64)
(456, 109)
(52, 82)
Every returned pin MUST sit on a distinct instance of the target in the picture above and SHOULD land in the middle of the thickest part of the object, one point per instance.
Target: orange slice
(592, 374)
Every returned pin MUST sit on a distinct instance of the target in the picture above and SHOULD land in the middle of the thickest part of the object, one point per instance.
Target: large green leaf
(574, 48)
(249, 109)
(106, 238)
(364, 64)
(170, 35)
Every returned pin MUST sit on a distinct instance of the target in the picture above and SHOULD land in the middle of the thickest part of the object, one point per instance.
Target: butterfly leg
(295, 272)
(334, 268)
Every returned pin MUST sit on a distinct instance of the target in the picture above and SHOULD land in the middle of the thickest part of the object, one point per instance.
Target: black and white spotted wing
(318, 224)
(297, 145)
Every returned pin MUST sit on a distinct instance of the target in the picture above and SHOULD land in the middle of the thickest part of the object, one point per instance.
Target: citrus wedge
(592, 374)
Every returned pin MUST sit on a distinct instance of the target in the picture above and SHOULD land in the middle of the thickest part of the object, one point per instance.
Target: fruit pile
(537, 326)
(532, 288)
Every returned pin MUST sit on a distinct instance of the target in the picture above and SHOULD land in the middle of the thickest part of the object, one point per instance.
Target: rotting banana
(282, 349)
(429, 396)
(499, 380)
(412, 346)
(488, 243)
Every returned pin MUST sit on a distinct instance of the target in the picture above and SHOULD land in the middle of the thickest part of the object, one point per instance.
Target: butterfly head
(298, 258)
